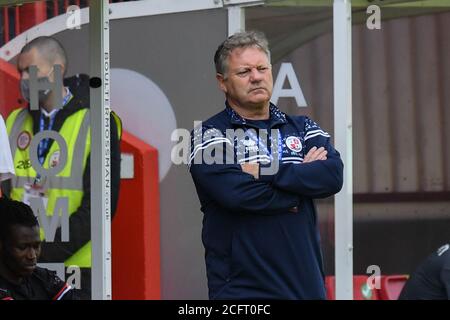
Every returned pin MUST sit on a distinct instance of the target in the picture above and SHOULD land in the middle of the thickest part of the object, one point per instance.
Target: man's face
(21, 250)
(34, 58)
(248, 82)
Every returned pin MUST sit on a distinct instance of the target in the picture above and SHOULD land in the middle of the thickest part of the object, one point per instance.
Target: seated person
(20, 247)
(431, 280)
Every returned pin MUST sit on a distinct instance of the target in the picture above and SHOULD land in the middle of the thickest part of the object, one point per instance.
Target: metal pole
(236, 19)
(236, 13)
(342, 35)
(100, 150)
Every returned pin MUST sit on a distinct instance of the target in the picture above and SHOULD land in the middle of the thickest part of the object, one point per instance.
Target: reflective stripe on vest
(69, 181)
(74, 181)
(83, 256)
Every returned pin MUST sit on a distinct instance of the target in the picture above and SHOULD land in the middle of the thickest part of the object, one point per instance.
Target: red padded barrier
(9, 89)
(361, 290)
(391, 286)
(135, 227)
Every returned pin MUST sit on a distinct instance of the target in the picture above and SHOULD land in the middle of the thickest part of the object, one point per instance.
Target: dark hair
(243, 39)
(49, 48)
(15, 213)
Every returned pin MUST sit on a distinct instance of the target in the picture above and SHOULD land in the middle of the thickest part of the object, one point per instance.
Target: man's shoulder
(53, 284)
(443, 254)
(13, 114)
(305, 123)
(79, 85)
(220, 121)
(298, 119)
(79, 88)
(49, 277)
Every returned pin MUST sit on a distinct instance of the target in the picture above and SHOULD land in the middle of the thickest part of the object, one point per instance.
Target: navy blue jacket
(260, 235)
(431, 280)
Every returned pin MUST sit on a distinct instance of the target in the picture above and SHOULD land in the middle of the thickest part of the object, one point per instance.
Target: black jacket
(431, 280)
(43, 284)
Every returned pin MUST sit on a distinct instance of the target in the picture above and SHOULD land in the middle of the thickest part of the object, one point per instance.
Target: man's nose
(32, 254)
(255, 75)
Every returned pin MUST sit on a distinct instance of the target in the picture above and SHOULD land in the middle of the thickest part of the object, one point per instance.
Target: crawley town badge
(24, 139)
(294, 143)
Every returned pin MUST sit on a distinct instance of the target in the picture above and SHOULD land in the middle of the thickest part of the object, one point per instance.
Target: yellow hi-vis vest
(66, 183)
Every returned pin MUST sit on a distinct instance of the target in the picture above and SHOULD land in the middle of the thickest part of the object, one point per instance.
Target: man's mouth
(254, 89)
(30, 267)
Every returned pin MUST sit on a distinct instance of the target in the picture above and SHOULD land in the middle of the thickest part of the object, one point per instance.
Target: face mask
(42, 82)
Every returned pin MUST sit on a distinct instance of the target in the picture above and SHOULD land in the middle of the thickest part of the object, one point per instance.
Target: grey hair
(243, 39)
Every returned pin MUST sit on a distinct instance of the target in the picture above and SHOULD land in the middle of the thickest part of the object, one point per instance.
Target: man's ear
(221, 82)
(63, 68)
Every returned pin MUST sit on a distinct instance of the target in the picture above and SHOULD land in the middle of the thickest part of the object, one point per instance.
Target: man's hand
(313, 155)
(251, 168)
(316, 154)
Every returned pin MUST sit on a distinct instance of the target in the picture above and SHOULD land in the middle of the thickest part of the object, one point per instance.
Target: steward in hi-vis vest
(67, 189)
(51, 145)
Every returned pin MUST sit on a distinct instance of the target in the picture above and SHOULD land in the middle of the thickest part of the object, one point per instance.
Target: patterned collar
(276, 115)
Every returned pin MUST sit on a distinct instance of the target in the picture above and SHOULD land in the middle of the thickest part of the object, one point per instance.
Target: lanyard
(44, 143)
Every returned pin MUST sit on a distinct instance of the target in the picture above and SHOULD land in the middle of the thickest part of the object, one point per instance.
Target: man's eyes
(243, 72)
(246, 72)
(25, 247)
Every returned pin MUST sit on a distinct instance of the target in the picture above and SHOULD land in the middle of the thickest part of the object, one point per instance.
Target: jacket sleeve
(5, 295)
(80, 220)
(56, 288)
(317, 179)
(227, 185)
(445, 275)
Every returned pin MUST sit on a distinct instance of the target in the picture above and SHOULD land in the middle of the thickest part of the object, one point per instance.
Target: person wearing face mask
(63, 108)
(42, 94)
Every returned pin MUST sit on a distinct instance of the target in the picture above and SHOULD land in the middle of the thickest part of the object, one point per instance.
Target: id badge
(34, 191)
